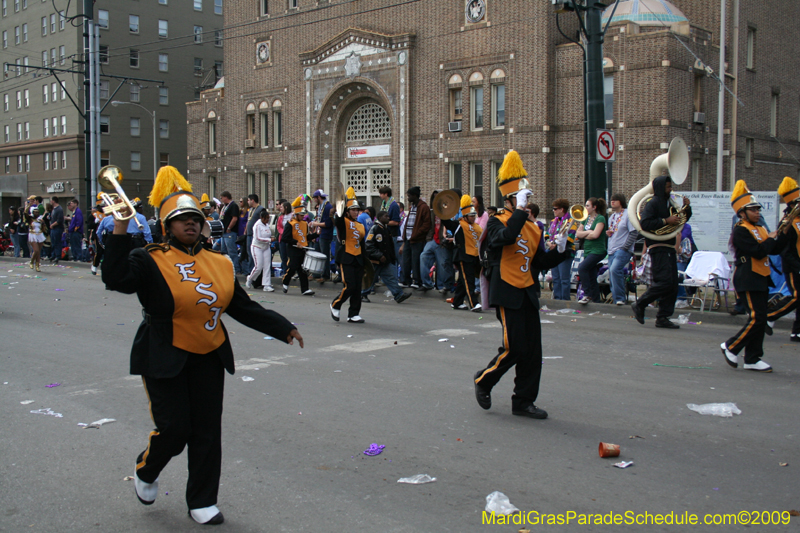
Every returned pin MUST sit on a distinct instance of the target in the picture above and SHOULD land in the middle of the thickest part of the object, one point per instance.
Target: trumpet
(788, 218)
(577, 214)
(109, 178)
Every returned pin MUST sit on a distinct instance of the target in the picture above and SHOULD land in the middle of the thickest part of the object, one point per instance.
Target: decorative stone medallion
(352, 65)
(401, 58)
(475, 10)
(262, 52)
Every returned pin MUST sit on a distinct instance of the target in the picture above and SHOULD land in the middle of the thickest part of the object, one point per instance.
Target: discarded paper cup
(607, 449)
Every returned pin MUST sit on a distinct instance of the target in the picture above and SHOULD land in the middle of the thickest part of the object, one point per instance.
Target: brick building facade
(434, 93)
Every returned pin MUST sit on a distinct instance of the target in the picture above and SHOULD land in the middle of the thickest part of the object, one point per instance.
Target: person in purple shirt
(75, 230)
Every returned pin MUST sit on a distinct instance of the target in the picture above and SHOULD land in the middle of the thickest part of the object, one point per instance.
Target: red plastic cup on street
(607, 449)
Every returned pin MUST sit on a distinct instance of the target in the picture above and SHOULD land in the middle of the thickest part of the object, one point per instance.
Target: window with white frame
(163, 95)
(133, 23)
(105, 157)
(136, 161)
(105, 124)
(134, 92)
(6, 134)
(27, 131)
(102, 18)
(63, 91)
(212, 186)
(24, 33)
(44, 58)
(53, 23)
(8, 165)
(264, 7)
(55, 160)
(63, 124)
(251, 183)
(250, 125)
(217, 37)
(47, 160)
(498, 99)
(212, 137)
(54, 129)
(135, 127)
(5, 7)
(163, 28)
(277, 123)
(496, 196)
(456, 99)
(5, 38)
(198, 34)
(163, 129)
(26, 62)
(198, 5)
(104, 89)
(456, 180)
(62, 54)
(163, 159)
(44, 27)
(63, 160)
(750, 56)
(27, 163)
(162, 2)
(292, 4)
(134, 58)
(27, 97)
(54, 92)
(19, 99)
(218, 7)
(264, 115)
(198, 66)
(102, 56)
(62, 19)
(5, 100)
(20, 164)
(163, 62)
(46, 127)
(476, 178)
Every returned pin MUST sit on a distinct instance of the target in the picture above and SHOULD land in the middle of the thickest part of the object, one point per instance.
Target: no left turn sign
(606, 146)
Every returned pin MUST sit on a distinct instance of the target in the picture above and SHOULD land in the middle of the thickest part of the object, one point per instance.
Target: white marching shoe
(761, 366)
(207, 515)
(268, 288)
(334, 313)
(730, 357)
(356, 319)
(146, 492)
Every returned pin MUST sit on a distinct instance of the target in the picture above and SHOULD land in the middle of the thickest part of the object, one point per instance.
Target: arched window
(455, 78)
(476, 76)
(370, 122)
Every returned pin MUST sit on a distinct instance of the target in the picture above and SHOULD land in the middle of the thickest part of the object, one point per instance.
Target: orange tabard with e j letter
(515, 265)
(299, 232)
(472, 233)
(354, 232)
(202, 288)
(758, 266)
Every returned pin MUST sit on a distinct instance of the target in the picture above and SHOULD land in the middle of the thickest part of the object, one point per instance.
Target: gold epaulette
(500, 211)
(157, 246)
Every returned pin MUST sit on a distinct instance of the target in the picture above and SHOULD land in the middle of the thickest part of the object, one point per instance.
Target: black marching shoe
(638, 313)
(768, 328)
(530, 411)
(666, 323)
(483, 396)
(795, 337)
(365, 298)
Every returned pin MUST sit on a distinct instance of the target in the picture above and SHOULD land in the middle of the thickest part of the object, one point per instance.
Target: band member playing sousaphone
(790, 256)
(350, 258)
(182, 349)
(466, 235)
(515, 249)
(295, 235)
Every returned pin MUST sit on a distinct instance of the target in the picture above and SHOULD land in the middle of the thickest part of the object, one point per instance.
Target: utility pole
(721, 104)
(589, 14)
(88, 40)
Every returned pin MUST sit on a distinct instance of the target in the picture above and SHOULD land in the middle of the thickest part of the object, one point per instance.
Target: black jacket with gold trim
(748, 249)
(341, 256)
(153, 353)
(500, 235)
(459, 239)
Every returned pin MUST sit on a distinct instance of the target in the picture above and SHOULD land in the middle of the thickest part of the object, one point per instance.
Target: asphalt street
(294, 434)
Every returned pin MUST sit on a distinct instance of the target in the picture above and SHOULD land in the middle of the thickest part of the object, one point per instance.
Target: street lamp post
(152, 116)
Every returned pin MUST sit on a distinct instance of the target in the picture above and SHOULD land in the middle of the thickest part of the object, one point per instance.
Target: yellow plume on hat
(351, 198)
(789, 190)
(741, 197)
(297, 201)
(204, 200)
(466, 206)
(511, 167)
(466, 201)
(168, 181)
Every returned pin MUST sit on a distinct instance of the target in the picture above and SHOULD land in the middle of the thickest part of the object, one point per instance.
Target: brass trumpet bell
(446, 204)
(109, 178)
(578, 213)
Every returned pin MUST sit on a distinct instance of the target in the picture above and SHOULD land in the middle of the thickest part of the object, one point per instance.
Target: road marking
(85, 392)
(256, 363)
(365, 346)
(450, 332)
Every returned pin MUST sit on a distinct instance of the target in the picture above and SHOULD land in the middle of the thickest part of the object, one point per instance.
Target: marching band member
(515, 248)
(790, 194)
(466, 234)
(751, 278)
(183, 289)
(296, 236)
(350, 258)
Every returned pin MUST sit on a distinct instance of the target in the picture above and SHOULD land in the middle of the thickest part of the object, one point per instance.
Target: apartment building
(178, 45)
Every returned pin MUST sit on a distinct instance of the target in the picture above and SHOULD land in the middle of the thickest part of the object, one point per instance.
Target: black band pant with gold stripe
(751, 337)
(294, 265)
(522, 346)
(352, 276)
(787, 305)
(466, 284)
(187, 412)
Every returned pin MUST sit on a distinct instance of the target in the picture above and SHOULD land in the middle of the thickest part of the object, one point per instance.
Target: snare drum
(215, 229)
(314, 263)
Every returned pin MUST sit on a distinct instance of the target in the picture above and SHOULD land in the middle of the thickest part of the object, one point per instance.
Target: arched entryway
(366, 151)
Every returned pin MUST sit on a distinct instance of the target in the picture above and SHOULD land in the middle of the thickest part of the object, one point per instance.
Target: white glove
(561, 243)
(522, 197)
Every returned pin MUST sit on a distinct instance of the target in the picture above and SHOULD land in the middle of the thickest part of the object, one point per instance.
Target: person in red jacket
(415, 235)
